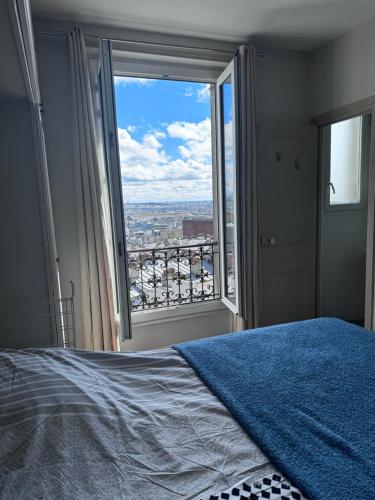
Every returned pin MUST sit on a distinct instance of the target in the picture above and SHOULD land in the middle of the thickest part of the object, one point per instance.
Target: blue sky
(164, 130)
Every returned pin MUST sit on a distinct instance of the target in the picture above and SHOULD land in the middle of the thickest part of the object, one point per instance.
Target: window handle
(333, 187)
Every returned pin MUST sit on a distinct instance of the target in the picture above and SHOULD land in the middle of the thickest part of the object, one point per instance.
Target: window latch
(332, 187)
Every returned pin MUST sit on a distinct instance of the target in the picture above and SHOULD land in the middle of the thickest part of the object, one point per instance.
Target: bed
(151, 425)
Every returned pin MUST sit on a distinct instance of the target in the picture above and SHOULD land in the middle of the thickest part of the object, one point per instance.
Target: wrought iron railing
(163, 277)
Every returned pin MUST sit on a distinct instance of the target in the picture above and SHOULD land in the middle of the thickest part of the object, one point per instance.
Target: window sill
(174, 313)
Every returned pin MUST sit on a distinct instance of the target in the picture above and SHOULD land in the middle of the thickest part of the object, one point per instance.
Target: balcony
(169, 276)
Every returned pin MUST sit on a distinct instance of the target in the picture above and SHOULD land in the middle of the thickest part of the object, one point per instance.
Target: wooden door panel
(285, 296)
(288, 215)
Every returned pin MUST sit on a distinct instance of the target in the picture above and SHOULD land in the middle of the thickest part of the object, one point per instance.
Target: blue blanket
(305, 393)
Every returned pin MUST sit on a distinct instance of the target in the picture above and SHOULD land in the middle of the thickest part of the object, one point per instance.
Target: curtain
(97, 296)
(249, 185)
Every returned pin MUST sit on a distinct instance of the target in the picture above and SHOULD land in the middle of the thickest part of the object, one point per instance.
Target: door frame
(362, 107)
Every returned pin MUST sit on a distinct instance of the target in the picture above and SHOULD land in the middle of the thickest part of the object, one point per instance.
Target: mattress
(82, 425)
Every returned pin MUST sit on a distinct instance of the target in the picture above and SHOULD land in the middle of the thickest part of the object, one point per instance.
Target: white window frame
(326, 149)
(115, 193)
(230, 70)
(188, 73)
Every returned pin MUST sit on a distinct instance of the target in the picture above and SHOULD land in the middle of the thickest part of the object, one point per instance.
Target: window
(345, 162)
(170, 135)
(165, 148)
(228, 176)
(229, 187)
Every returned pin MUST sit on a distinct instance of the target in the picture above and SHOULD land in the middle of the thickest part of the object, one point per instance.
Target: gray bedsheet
(85, 425)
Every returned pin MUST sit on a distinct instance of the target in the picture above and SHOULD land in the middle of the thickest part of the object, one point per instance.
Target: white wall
(344, 70)
(283, 87)
(23, 278)
(54, 74)
(151, 334)
(283, 78)
(55, 85)
(11, 80)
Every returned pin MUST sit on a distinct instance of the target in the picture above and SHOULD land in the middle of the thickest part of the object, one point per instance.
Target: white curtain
(97, 297)
(249, 185)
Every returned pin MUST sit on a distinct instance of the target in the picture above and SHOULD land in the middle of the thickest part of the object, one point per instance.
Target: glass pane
(345, 178)
(165, 145)
(229, 189)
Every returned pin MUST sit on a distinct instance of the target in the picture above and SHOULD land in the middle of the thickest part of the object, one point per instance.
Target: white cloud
(190, 131)
(129, 80)
(197, 139)
(149, 173)
(203, 93)
(173, 190)
(146, 152)
(188, 91)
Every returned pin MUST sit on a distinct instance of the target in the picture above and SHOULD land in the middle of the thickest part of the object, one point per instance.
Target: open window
(181, 249)
(228, 175)
(113, 209)
(345, 146)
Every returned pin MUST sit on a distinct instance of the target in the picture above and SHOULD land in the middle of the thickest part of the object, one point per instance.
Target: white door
(287, 170)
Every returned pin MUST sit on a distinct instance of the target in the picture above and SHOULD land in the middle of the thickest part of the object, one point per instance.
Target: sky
(164, 132)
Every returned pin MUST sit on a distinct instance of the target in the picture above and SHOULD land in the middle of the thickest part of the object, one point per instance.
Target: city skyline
(159, 224)
(166, 202)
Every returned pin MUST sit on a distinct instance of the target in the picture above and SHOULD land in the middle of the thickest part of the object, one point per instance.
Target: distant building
(192, 228)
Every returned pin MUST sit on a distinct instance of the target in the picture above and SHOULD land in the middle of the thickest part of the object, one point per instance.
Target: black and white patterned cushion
(273, 487)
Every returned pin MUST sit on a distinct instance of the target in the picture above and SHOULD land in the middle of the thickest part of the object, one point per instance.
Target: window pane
(229, 190)
(165, 145)
(345, 178)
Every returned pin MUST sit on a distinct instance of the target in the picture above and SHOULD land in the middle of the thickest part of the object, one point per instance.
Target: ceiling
(294, 24)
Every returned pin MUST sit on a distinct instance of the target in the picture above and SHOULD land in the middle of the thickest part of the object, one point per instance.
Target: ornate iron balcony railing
(163, 277)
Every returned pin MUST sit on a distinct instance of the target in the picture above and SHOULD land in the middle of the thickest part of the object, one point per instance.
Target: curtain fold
(249, 185)
(97, 300)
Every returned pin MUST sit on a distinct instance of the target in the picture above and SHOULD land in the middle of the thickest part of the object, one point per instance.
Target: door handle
(267, 241)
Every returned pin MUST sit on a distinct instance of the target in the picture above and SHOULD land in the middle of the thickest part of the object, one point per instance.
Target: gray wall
(23, 279)
(344, 70)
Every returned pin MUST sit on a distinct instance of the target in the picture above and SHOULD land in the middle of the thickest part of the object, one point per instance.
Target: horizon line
(165, 202)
